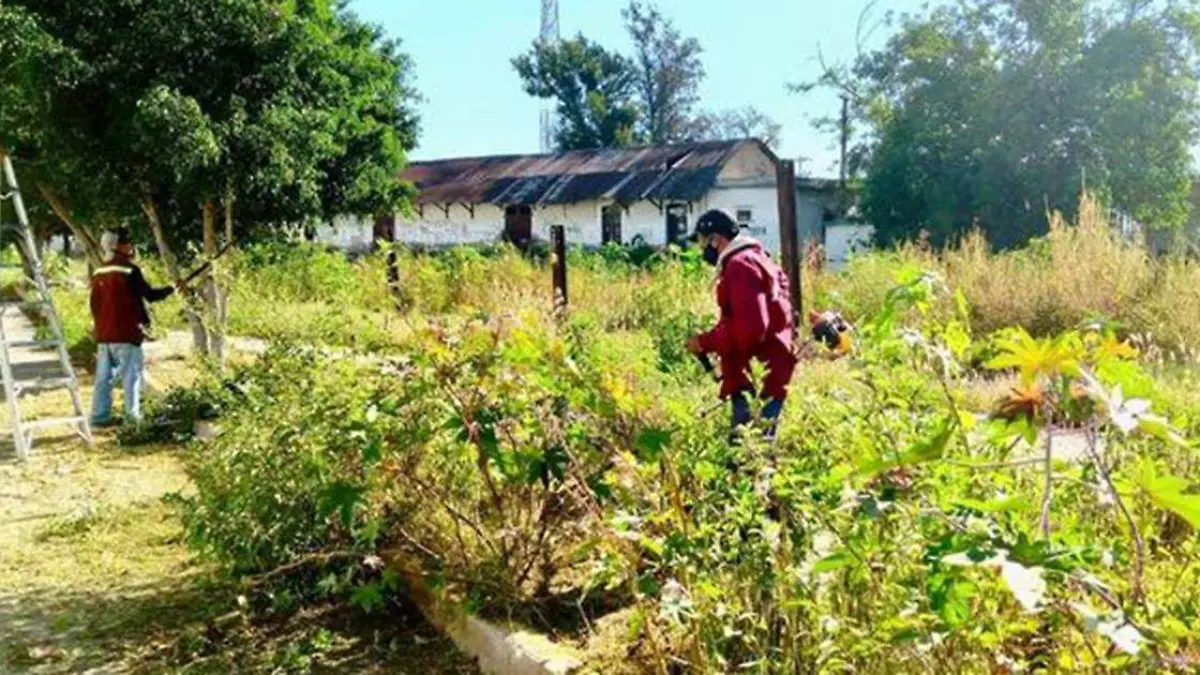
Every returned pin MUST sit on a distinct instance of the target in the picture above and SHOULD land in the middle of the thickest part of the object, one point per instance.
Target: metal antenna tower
(549, 35)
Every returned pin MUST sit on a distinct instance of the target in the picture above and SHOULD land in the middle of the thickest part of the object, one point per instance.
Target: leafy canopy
(593, 88)
(997, 112)
(295, 110)
(607, 100)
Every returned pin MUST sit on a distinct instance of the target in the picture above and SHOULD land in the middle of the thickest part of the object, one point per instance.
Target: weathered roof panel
(684, 171)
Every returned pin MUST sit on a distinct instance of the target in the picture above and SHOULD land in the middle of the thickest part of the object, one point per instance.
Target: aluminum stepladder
(23, 431)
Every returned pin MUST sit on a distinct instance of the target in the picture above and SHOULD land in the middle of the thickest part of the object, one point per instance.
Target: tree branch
(90, 245)
(1139, 561)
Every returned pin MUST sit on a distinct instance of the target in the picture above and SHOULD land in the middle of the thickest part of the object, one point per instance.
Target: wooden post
(786, 185)
(558, 239)
(393, 273)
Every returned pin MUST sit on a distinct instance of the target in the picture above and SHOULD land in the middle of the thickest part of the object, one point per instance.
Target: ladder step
(32, 343)
(50, 422)
(37, 299)
(42, 384)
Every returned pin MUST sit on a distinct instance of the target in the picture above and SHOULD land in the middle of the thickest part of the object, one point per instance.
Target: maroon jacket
(119, 297)
(756, 320)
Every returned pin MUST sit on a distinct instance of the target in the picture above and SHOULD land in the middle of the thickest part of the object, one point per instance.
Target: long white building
(610, 195)
(649, 194)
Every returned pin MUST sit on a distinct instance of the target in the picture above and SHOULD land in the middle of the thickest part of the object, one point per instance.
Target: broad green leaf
(950, 596)
(927, 449)
(341, 497)
(652, 546)
(957, 339)
(367, 596)
(1167, 492)
(650, 443)
(835, 561)
(1161, 429)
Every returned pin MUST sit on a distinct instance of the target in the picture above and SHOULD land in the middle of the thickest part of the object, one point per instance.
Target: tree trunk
(229, 214)
(194, 317)
(90, 246)
(214, 295)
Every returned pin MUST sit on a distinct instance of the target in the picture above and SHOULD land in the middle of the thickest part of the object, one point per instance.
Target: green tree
(993, 112)
(668, 75)
(593, 89)
(175, 111)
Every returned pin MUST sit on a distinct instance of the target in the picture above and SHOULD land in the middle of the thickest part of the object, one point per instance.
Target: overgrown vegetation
(958, 496)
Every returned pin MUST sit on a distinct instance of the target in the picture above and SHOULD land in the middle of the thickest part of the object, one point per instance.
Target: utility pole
(549, 35)
(843, 197)
(785, 183)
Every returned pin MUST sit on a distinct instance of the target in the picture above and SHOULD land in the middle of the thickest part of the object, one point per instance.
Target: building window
(745, 216)
(610, 224)
(677, 223)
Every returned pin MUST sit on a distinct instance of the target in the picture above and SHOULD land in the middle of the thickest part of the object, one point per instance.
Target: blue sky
(475, 105)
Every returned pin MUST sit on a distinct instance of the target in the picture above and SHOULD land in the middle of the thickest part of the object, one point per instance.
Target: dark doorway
(677, 225)
(610, 224)
(518, 224)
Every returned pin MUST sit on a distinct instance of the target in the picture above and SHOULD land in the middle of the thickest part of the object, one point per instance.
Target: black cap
(716, 221)
(123, 237)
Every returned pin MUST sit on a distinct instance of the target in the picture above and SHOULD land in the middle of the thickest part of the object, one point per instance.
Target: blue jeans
(115, 360)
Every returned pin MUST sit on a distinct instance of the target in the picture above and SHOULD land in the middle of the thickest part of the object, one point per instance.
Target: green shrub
(479, 452)
(510, 457)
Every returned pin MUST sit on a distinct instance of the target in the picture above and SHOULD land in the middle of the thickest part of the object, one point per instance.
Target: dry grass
(1079, 271)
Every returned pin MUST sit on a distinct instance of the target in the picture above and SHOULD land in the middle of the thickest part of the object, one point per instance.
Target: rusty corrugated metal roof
(684, 172)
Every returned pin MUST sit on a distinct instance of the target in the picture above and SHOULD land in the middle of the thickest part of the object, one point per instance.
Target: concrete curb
(498, 650)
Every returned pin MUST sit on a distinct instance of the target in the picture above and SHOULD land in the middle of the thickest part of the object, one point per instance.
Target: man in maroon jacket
(119, 297)
(756, 319)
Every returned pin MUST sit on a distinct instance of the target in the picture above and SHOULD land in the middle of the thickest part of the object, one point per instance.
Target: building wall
(746, 181)
(433, 226)
(350, 233)
(643, 219)
(811, 207)
(748, 163)
(582, 222)
(843, 240)
(763, 204)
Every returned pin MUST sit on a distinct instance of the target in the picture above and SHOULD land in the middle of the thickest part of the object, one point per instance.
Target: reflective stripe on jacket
(118, 302)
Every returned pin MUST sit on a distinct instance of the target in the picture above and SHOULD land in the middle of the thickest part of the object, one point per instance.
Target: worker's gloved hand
(693, 345)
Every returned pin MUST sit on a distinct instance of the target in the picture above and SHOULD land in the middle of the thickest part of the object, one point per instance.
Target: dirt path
(95, 576)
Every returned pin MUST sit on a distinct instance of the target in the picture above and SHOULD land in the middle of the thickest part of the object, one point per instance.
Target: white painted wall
(349, 233)
(843, 240)
(582, 222)
(763, 204)
(432, 227)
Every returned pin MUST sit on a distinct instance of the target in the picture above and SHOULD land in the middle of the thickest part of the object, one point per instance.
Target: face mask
(711, 255)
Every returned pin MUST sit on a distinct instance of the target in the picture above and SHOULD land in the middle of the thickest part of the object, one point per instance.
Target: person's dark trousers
(742, 416)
